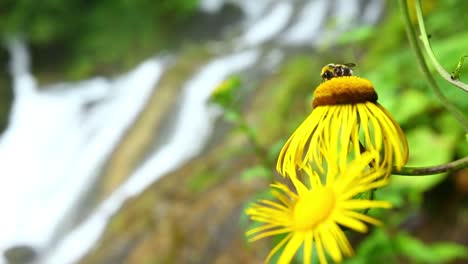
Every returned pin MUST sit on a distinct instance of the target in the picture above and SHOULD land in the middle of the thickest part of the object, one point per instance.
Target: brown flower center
(344, 90)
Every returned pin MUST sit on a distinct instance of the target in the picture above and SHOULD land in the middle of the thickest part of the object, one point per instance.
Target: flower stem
(413, 40)
(422, 171)
(430, 52)
(250, 134)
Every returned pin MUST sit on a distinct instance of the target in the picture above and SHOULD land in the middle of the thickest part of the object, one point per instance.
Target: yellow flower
(346, 120)
(315, 215)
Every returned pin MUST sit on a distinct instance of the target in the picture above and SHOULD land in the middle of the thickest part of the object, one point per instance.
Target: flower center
(313, 208)
(344, 90)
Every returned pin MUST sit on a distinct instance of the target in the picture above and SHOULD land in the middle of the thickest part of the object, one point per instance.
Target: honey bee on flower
(345, 121)
(333, 70)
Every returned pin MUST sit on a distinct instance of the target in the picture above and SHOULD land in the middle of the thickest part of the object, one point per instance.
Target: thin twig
(413, 40)
(423, 171)
(430, 52)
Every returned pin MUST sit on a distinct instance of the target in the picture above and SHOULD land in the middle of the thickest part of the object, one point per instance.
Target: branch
(430, 52)
(420, 57)
(422, 171)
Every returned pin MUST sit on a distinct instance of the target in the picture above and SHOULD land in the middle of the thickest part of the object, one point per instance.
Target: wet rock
(21, 254)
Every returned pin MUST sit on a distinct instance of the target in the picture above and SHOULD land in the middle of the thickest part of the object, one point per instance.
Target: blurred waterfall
(57, 141)
(195, 116)
(51, 162)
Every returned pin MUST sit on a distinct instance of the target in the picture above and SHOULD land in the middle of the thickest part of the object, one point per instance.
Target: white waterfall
(192, 130)
(56, 142)
(269, 26)
(309, 24)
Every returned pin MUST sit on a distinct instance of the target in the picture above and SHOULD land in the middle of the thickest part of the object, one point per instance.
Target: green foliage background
(433, 134)
(75, 39)
(81, 35)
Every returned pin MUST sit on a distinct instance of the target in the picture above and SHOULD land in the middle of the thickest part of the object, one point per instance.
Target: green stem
(422, 171)
(252, 137)
(413, 40)
(430, 52)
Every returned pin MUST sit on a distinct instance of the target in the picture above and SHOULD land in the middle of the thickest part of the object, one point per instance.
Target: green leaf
(427, 148)
(410, 104)
(232, 116)
(441, 252)
(226, 91)
(258, 171)
(390, 194)
(376, 248)
(358, 35)
(274, 150)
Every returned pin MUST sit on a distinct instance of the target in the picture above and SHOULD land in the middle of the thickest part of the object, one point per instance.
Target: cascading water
(194, 116)
(48, 163)
(46, 174)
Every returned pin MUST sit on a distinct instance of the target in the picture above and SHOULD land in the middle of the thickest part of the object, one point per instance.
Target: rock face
(20, 254)
(169, 223)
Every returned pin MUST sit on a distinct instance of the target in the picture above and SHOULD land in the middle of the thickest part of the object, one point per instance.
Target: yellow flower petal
(314, 214)
(277, 247)
(308, 239)
(331, 245)
(336, 132)
(291, 248)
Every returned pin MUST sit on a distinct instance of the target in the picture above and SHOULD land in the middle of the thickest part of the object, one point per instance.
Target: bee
(333, 70)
